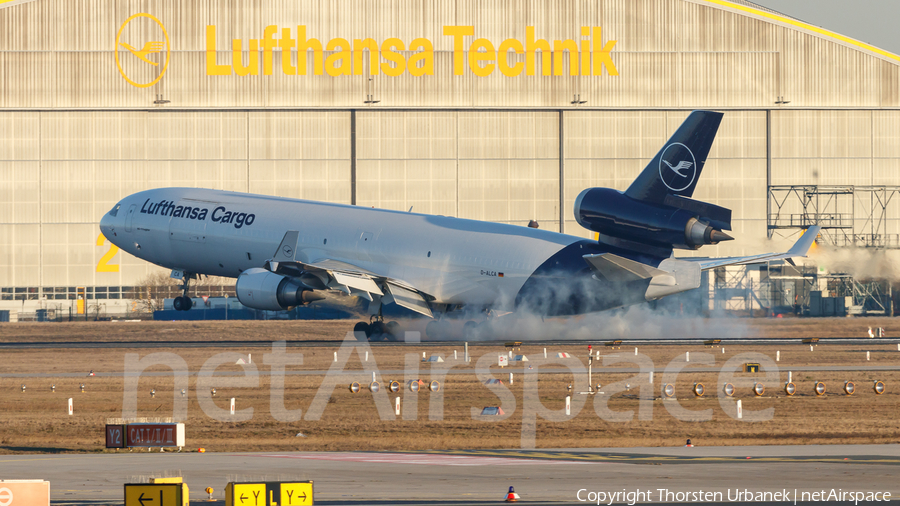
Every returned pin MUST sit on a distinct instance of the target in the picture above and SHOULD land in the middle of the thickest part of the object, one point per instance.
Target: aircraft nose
(107, 227)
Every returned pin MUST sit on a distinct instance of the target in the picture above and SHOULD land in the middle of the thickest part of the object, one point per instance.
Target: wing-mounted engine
(287, 282)
(677, 222)
(263, 289)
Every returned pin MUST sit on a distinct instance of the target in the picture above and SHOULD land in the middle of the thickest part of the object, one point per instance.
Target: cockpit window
(115, 210)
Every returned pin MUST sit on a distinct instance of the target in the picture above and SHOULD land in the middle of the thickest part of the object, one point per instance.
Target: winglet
(801, 247)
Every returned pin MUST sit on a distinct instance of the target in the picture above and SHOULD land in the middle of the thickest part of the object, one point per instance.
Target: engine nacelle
(262, 289)
(614, 214)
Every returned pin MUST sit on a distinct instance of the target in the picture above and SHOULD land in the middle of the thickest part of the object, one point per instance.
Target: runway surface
(543, 476)
(24, 345)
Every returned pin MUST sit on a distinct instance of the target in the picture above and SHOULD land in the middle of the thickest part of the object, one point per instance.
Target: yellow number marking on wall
(103, 265)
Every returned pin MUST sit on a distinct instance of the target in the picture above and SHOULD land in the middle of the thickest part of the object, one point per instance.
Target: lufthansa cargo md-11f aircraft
(284, 251)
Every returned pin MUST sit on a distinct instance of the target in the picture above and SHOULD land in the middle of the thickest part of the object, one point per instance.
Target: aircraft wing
(799, 249)
(332, 274)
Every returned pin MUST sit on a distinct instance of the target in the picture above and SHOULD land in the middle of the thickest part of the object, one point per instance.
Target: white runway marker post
(651, 377)
(778, 356)
(232, 405)
(367, 357)
(71, 408)
(454, 355)
(335, 356)
(397, 406)
(790, 377)
(740, 410)
(868, 356)
(687, 356)
(510, 378)
(568, 405)
(545, 350)
(635, 351)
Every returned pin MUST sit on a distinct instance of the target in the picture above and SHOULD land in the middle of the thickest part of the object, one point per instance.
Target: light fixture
(728, 389)
(820, 388)
(878, 387)
(699, 389)
(849, 387)
(669, 390)
(790, 388)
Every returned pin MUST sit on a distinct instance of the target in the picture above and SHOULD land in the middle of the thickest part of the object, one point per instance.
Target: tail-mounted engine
(262, 289)
(676, 223)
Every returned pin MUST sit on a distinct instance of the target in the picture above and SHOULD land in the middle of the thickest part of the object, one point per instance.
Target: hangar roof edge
(759, 11)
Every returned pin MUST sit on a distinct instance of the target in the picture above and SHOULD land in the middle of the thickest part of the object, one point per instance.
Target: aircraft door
(129, 218)
(188, 236)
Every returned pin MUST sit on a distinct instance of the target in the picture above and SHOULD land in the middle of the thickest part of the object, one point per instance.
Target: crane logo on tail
(677, 167)
(682, 165)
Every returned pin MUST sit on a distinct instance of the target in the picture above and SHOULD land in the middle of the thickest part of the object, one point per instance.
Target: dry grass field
(36, 420)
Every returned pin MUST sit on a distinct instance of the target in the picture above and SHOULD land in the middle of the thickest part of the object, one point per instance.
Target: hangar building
(500, 111)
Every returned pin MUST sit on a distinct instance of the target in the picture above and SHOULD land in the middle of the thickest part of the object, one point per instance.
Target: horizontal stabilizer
(799, 249)
(620, 269)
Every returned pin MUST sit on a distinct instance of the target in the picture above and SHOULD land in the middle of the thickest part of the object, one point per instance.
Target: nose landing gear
(184, 303)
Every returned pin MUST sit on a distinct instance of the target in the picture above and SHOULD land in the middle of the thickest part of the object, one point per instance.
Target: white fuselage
(457, 261)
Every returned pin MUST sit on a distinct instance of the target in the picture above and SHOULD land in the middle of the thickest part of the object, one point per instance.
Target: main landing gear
(184, 303)
(376, 330)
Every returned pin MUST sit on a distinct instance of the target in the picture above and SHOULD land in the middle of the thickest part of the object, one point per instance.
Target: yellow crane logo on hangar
(148, 48)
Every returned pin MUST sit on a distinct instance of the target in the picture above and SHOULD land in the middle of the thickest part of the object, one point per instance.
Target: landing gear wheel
(377, 331)
(361, 331)
(182, 303)
(392, 331)
(438, 330)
